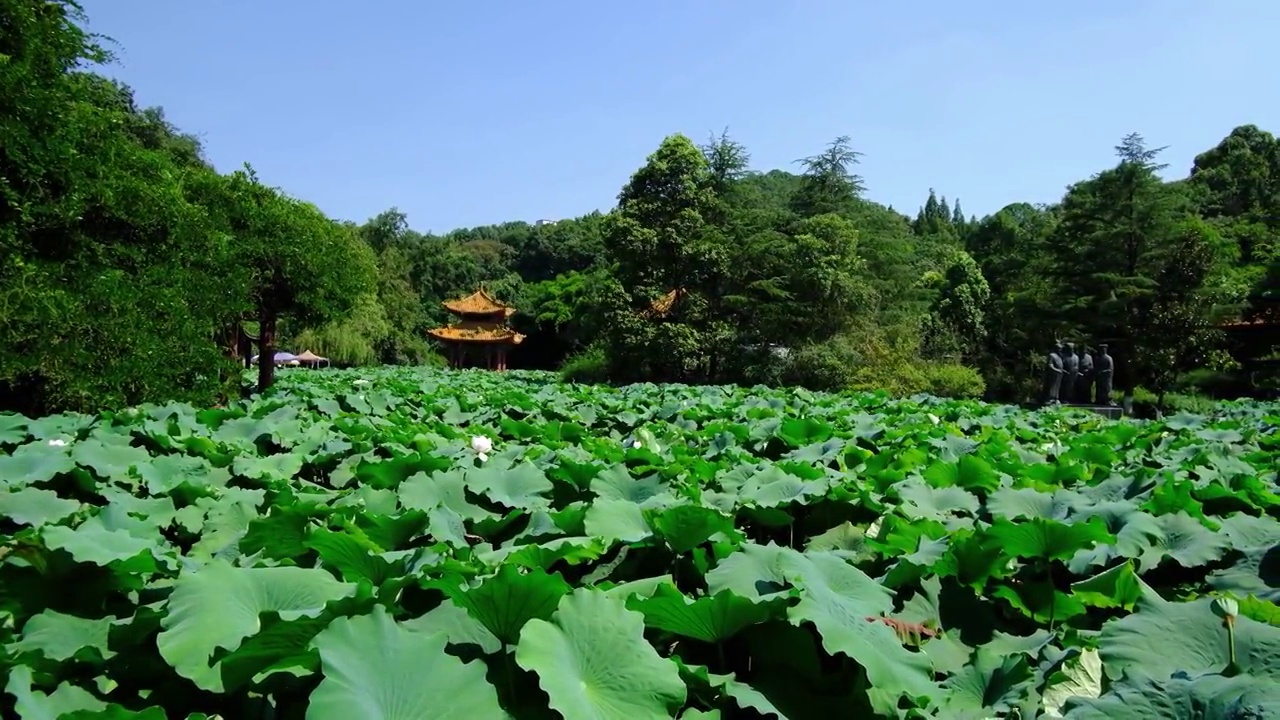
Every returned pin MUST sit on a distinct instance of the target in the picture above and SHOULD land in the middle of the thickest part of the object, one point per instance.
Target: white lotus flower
(57, 442)
(637, 444)
(360, 381)
(934, 419)
(482, 447)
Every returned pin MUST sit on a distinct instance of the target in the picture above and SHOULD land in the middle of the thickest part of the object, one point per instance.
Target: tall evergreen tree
(830, 185)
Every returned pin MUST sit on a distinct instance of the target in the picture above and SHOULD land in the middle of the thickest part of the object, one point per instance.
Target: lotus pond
(408, 544)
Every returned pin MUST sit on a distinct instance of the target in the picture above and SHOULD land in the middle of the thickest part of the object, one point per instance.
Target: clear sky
(464, 114)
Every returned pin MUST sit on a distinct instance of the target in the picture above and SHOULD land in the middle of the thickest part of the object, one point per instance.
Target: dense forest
(128, 263)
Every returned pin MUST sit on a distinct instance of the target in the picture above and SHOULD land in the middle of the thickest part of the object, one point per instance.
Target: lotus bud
(1225, 608)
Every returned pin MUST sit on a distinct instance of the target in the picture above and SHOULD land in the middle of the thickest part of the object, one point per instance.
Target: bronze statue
(1104, 372)
(1052, 377)
(1084, 383)
(1070, 371)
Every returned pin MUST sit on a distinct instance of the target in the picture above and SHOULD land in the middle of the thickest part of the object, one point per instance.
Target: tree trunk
(266, 349)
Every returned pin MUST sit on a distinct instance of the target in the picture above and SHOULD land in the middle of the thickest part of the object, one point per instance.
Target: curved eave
(451, 335)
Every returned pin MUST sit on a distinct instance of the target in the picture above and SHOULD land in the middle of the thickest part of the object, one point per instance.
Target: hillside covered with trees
(127, 263)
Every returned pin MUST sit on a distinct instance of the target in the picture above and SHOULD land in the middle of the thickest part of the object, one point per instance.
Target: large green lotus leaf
(13, 428)
(798, 432)
(34, 463)
(846, 540)
(395, 531)
(921, 501)
(522, 486)
(225, 524)
(144, 517)
(279, 535)
(35, 507)
(166, 473)
(615, 483)
(66, 426)
(990, 686)
(711, 618)
(1048, 539)
(1213, 696)
(32, 704)
(685, 527)
(594, 663)
(1178, 537)
(281, 466)
(1163, 638)
(1079, 677)
(571, 550)
(1041, 601)
(1018, 503)
(446, 526)
(642, 588)
(1257, 571)
(742, 694)
(540, 525)
(616, 521)
(280, 644)
(111, 460)
(447, 489)
(1264, 611)
(504, 602)
(244, 432)
(1117, 515)
(772, 486)
(92, 541)
(457, 625)
(59, 637)
(952, 447)
(116, 712)
(376, 669)
(218, 606)
(1247, 531)
(844, 603)
(819, 453)
(1118, 587)
(354, 556)
(755, 571)
(970, 472)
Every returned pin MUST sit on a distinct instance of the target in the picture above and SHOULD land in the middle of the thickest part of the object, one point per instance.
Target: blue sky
(463, 114)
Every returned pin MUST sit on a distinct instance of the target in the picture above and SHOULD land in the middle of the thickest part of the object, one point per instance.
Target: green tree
(957, 323)
(299, 263)
(661, 242)
(1012, 249)
(110, 278)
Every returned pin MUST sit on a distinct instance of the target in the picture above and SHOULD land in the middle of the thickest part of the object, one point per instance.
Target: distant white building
(545, 222)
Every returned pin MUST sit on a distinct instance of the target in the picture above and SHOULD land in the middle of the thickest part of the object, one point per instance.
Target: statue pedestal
(1110, 412)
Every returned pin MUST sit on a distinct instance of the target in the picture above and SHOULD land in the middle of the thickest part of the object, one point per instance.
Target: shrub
(591, 366)
(953, 380)
(828, 365)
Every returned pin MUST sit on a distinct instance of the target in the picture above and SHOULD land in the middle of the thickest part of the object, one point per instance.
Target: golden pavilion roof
(479, 303)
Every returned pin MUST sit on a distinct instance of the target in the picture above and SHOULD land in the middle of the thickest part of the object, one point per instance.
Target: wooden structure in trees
(481, 336)
(663, 306)
(1254, 340)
